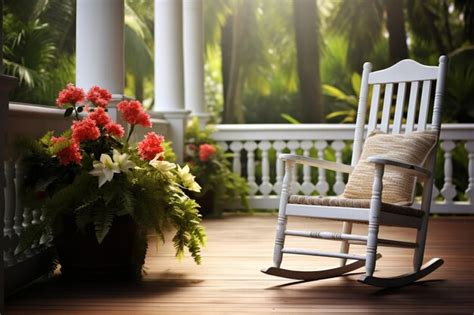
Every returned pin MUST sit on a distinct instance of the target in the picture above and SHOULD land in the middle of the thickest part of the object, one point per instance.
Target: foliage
(38, 48)
(94, 174)
(210, 164)
(347, 103)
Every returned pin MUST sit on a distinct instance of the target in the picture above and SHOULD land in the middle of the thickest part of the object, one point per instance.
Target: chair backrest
(404, 80)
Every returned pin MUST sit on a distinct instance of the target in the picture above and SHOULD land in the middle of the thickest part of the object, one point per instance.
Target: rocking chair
(382, 176)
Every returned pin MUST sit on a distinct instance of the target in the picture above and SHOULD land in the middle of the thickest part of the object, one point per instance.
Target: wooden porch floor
(229, 280)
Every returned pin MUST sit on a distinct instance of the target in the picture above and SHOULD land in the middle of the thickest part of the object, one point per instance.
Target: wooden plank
(229, 280)
(387, 104)
(397, 123)
(412, 106)
(424, 105)
(404, 71)
(374, 107)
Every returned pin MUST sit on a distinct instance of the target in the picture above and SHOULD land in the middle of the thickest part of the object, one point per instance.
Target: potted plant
(100, 194)
(212, 168)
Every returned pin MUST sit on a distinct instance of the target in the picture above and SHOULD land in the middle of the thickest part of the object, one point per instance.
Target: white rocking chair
(374, 211)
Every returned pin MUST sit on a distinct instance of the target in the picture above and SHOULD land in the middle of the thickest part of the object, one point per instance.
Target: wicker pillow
(398, 188)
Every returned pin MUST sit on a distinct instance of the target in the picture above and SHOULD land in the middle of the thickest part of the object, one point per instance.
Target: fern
(102, 222)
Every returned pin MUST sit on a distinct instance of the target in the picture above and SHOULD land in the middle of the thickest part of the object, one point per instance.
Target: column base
(177, 126)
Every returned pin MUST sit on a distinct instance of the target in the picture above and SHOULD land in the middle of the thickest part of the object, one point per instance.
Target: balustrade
(257, 146)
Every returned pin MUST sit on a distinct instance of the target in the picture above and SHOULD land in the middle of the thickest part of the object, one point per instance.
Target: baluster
(266, 186)
(307, 188)
(250, 147)
(278, 146)
(435, 192)
(18, 226)
(470, 188)
(339, 185)
(449, 189)
(295, 185)
(236, 147)
(322, 186)
(35, 247)
(10, 201)
(27, 219)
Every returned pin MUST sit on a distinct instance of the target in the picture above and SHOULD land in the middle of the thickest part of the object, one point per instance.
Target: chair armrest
(329, 165)
(407, 168)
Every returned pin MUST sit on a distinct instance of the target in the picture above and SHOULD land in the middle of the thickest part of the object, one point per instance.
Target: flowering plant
(93, 174)
(210, 164)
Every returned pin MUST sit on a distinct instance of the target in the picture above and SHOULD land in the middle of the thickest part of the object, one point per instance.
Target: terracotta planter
(121, 254)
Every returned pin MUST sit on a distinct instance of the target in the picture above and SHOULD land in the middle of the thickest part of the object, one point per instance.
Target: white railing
(255, 148)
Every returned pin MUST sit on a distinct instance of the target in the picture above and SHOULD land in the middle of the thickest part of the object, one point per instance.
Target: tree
(362, 22)
(398, 48)
(305, 17)
(138, 46)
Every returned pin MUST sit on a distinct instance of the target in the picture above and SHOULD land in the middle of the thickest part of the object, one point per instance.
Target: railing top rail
(236, 132)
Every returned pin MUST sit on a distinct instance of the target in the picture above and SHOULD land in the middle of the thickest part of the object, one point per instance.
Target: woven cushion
(398, 187)
(352, 203)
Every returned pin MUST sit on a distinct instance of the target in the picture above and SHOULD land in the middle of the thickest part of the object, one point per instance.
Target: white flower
(188, 179)
(106, 168)
(123, 161)
(163, 166)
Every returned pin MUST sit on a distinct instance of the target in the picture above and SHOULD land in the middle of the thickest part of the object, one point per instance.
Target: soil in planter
(120, 256)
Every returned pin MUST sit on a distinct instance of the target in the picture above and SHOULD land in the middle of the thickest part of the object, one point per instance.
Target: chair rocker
(377, 207)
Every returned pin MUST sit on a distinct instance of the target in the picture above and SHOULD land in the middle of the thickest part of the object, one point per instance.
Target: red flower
(98, 96)
(100, 116)
(150, 146)
(115, 129)
(144, 119)
(70, 154)
(70, 95)
(206, 151)
(85, 130)
(133, 113)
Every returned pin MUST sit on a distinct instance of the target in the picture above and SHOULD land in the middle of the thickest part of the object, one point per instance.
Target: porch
(229, 280)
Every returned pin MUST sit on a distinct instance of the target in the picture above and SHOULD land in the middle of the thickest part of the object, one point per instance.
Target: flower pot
(209, 206)
(120, 256)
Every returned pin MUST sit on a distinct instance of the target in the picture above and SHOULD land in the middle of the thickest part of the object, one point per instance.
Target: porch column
(100, 47)
(193, 41)
(169, 69)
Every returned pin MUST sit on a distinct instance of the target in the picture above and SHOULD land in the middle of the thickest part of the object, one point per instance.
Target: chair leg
(375, 205)
(282, 219)
(346, 229)
(421, 233)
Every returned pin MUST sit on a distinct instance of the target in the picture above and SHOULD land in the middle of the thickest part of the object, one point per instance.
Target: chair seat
(353, 203)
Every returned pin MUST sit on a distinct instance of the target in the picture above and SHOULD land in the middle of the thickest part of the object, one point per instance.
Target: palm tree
(306, 25)
(362, 22)
(34, 50)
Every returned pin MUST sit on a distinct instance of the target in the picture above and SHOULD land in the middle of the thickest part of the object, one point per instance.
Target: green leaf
(355, 81)
(290, 119)
(68, 112)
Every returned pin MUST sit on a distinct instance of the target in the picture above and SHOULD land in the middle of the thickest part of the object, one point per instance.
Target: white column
(100, 46)
(169, 69)
(193, 41)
